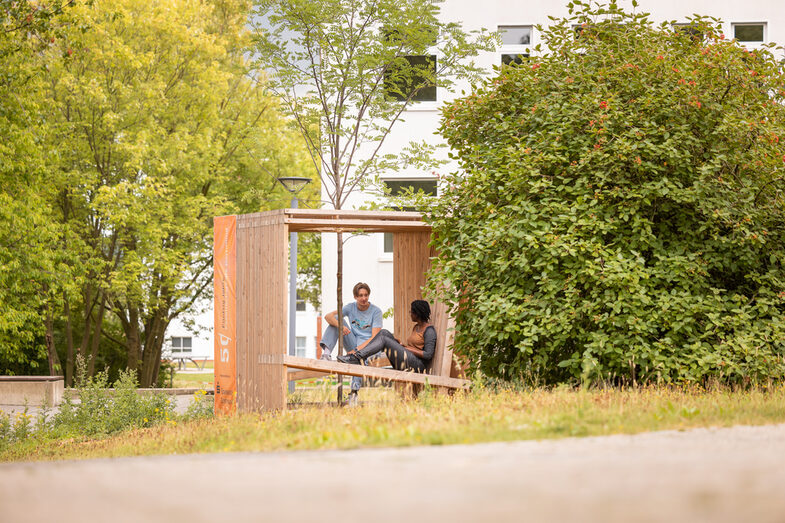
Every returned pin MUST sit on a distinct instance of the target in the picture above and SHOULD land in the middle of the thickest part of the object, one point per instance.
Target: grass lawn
(473, 417)
(199, 380)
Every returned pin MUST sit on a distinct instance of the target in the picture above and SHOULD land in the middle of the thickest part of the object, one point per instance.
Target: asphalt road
(711, 475)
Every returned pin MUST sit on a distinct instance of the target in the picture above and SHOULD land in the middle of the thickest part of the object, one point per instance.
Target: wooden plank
(370, 215)
(336, 367)
(302, 216)
(352, 224)
(243, 308)
(295, 375)
(444, 325)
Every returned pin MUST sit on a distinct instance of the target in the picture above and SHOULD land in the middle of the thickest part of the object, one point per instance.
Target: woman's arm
(429, 349)
(414, 350)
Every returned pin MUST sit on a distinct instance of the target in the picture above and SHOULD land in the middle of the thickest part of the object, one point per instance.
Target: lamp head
(294, 184)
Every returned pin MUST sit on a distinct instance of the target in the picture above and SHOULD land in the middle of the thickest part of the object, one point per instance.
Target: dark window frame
(502, 29)
(398, 186)
(423, 91)
(746, 25)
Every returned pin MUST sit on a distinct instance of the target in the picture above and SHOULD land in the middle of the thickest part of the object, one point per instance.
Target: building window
(299, 303)
(398, 187)
(516, 34)
(416, 79)
(299, 346)
(689, 29)
(749, 33)
(181, 344)
(388, 243)
(515, 58)
(516, 40)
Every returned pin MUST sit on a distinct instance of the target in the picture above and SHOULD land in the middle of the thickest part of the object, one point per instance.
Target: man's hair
(421, 309)
(361, 285)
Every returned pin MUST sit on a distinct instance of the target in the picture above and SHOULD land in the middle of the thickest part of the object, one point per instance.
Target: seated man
(365, 322)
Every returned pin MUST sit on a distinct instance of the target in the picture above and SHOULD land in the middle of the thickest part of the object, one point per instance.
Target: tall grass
(481, 415)
(99, 412)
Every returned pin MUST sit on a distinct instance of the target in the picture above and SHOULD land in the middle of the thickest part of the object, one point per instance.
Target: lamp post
(293, 184)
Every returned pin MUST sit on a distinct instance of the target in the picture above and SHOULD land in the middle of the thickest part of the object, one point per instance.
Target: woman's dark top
(425, 341)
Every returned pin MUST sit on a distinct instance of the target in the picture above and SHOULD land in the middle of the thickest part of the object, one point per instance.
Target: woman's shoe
(351, 358)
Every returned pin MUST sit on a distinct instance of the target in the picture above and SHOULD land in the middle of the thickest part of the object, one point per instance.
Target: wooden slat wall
(411, 260)
(262, 261)
(442, 358)
(410, 263)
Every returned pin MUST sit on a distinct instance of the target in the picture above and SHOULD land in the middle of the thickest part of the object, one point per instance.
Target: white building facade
(368, 258)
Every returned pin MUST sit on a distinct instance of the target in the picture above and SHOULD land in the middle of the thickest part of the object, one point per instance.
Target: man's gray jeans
(330, 338)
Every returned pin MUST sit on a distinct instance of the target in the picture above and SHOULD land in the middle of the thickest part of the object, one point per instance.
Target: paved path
(711, 475)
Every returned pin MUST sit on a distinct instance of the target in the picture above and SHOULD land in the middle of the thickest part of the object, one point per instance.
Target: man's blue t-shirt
(362, 323)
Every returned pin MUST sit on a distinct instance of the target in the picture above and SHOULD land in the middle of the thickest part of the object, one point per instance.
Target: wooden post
(411, 261)
(262, 254)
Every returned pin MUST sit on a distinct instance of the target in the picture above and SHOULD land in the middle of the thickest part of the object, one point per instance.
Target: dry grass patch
(473, 417)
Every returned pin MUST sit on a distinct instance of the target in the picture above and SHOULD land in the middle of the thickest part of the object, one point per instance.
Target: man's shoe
(352, 400)
(326, 354)
(350, 358)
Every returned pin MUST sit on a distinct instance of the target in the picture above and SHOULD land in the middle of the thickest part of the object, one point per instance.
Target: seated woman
(418, 351)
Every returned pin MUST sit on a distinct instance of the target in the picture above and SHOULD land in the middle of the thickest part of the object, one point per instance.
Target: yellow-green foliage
(479, 416)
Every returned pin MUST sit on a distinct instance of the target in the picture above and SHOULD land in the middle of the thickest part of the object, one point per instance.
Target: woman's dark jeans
(400, 358)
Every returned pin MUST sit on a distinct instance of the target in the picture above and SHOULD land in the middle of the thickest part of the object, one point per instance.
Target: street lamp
(293, 184)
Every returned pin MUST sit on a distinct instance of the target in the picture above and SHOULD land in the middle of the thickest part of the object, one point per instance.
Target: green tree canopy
(620, 214)
(140, 122)
(32, 272)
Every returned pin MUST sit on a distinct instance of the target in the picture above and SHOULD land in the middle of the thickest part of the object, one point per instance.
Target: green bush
(619, 217)
(201, 407)
(101, 411)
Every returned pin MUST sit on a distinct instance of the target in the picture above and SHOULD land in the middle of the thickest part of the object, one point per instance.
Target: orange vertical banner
(225, 331)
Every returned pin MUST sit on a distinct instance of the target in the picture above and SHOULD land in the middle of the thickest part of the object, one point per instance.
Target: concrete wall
(31, 390)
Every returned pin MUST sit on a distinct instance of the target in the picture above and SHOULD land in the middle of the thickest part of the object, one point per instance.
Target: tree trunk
(145, 373)
(69, 340)
(153, 345)
(88, 316)
(158, 344)
(97, 335)
(133, 340)
(339, 289)
(55, 369)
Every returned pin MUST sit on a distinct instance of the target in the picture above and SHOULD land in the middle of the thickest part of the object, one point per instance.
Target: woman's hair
(421, 309)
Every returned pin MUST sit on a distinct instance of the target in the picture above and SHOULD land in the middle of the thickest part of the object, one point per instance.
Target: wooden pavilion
(252, 366)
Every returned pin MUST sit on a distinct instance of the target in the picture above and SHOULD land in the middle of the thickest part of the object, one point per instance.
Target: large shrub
(619, 215)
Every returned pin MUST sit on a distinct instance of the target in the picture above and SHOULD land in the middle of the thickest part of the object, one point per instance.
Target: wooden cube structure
(251, 301)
